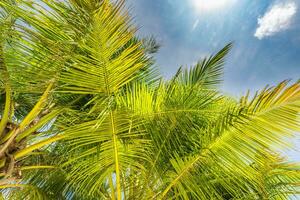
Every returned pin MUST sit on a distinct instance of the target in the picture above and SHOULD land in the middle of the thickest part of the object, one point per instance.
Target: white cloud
(277, 19)
(195, 24)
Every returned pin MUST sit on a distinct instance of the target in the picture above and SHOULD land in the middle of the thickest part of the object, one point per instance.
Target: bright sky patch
(209, 5)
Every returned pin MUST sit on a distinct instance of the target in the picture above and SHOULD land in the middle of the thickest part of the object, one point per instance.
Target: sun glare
(210, 5)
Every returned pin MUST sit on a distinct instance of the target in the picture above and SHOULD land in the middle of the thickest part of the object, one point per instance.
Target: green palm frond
(103, 71)
(254, 130)
(19, 138)
(106, 147)
(109, 127)
(276, 177)
(207, 72)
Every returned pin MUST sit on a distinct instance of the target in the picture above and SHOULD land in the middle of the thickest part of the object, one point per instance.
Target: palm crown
(94, 120)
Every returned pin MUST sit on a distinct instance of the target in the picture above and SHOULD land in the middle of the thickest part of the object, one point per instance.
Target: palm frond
(257, 129)
(207, 72)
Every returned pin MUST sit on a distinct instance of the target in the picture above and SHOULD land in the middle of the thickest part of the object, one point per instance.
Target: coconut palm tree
(120, 131)
(24, 119)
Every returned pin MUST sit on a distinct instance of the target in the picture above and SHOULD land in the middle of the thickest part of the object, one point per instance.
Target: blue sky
(266, 36)
(187, 34)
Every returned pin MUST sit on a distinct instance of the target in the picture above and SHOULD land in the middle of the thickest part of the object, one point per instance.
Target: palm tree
(120, 131)
(21, 128)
